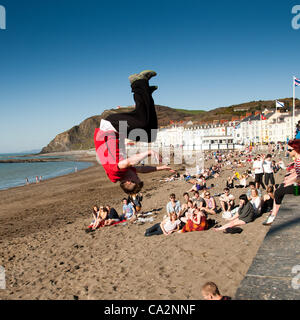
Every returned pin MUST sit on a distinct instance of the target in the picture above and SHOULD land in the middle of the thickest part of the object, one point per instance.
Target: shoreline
(82, 158)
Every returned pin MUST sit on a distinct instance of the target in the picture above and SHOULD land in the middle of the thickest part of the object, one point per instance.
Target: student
(197, 200)
(128, 211)
(252, 187)
(268, 199)
(110, 140)
(268, 169)
(173, 205)
(184, 206)
(244, 215)
(256, 202)
(95, 215)
(166, 227)
(287, 187)
(227, 200)
(210, 204)
(230, 183)
(259, 172)
(210, 291)
(136, 200)
(100, 221)
(189, 212)
(112, 216)
(196, 222)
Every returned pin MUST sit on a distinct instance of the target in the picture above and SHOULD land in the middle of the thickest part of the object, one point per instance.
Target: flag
(279, 104)
(297, 82)
(263, 117)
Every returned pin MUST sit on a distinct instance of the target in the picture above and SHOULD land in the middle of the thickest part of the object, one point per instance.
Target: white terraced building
(231, 135)
(276, 128)
(196, 137)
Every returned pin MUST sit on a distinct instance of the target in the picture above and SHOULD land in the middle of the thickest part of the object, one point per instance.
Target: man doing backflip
(110, 137)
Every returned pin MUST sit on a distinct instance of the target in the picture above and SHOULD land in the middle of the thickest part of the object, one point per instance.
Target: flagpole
(293, 119)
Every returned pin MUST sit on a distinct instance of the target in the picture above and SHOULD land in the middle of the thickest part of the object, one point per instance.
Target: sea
(15, 174)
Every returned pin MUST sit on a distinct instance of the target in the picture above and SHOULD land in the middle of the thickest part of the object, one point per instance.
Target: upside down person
(110, 137)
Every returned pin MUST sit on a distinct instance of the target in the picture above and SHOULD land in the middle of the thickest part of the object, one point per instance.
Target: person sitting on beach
(100, 221)
(189, 212)
(209, 205)
(252, 187)
(128, 211)
(245, 214)
(110, 138)
(227, 200)
(293, 177)
(111, 216)
(136, 200)
(230, 183)
(210, 291)
(184, 206)
(196, 222)
(268, 199)
(95, 215)
(173, 205)
(167, 226)
(256, 202)
(197, 200)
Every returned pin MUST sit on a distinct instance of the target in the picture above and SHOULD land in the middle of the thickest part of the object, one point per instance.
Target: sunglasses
(290, 150)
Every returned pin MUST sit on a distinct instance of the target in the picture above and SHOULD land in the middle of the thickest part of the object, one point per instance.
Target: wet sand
(48, 255)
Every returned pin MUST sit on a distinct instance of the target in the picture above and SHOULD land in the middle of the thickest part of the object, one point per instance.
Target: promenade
(275, 269)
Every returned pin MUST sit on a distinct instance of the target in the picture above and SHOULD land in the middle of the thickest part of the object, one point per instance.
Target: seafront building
(268, 127)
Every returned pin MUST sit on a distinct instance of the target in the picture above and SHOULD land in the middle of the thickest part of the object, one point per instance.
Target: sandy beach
(48, 255)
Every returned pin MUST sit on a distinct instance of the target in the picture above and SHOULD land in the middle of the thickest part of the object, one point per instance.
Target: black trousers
(269, 177)
(154, 230)
(282, 191)
(143, 117)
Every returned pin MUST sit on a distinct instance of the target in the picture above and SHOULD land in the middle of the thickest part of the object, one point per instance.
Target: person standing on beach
(109, 139)
(27, 181)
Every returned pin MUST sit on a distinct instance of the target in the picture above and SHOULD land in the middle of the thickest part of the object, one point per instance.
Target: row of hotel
(269, 127)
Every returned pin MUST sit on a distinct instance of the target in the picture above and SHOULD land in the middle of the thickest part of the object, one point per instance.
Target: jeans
(154, 230)
(269, 177)
(281, 191)
(143, 116)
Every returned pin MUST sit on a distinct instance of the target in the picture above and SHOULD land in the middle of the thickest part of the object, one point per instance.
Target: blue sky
(63, 61)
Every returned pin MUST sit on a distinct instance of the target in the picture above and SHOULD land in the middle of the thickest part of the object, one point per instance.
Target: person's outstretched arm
(148, 169)
(135, 159)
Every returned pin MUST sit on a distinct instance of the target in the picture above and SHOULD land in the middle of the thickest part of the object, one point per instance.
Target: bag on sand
(233, 230)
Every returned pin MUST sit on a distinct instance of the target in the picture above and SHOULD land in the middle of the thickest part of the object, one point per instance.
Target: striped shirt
(297, 168)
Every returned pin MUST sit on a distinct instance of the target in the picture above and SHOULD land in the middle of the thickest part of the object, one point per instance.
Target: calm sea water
(15, 174)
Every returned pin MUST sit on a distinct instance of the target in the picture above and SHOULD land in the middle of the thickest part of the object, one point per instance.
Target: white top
(106, 126)
(170, 226)
(256, 203)
(267, 166)
(258, 166)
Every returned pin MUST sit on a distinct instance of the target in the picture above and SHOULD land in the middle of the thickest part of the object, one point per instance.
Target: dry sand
(48, 255)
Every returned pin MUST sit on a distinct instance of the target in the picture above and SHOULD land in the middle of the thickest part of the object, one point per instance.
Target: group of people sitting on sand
(107, 216)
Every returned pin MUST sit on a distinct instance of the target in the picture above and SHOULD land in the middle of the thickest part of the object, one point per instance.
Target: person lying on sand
(210, 291)
(166, 227)
(140, 124)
